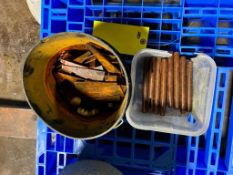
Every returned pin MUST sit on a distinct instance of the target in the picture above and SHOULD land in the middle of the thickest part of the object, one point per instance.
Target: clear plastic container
(192, 124)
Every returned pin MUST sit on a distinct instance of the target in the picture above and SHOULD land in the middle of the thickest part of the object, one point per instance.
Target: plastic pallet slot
(139, 151)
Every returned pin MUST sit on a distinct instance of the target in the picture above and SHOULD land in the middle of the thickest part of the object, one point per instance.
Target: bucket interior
(42, 91)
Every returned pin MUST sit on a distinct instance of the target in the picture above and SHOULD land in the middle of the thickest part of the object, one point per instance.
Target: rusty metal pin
(163, 87)
(183, 85)
(157, 70)
(145, 87)
(170, 93)
(148, 86)
(151, 85)
(176, 80)
(189, 69)
(153, 64)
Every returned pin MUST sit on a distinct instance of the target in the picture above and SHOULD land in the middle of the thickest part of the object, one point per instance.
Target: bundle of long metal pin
(167, 82)
(89, 78)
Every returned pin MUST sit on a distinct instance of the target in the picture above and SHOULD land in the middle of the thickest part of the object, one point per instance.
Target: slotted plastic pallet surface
(187, 26)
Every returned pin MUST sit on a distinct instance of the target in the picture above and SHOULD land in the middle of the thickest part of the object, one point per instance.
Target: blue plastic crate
(187, 26)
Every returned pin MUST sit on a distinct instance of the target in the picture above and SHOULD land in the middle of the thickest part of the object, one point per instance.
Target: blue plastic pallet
(184, 25)
(143, 152)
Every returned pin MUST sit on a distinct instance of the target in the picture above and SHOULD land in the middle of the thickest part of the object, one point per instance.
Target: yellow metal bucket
(40, 89)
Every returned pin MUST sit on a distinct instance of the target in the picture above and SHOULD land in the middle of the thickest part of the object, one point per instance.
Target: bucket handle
(119, 124)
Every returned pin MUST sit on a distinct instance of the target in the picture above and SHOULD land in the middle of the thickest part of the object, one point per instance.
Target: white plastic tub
(192, 124)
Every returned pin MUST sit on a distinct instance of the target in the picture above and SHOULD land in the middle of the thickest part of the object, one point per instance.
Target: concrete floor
(17, 123)
(17, 156)
(18, 33)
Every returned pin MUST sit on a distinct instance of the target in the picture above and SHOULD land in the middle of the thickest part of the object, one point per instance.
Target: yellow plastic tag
(126, 39)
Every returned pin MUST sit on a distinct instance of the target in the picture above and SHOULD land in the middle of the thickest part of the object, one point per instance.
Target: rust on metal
(170, 89)
(163, 87)
(176, 85)
(157, 81)
(189, 69)
(183, 85)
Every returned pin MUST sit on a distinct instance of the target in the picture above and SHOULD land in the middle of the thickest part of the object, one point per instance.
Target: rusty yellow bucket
(40, 89)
